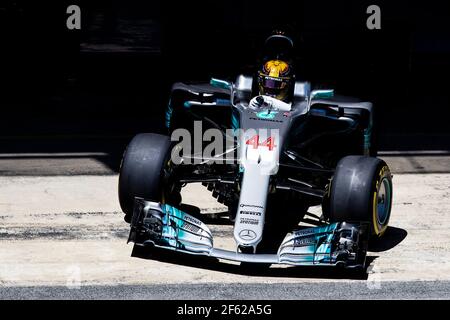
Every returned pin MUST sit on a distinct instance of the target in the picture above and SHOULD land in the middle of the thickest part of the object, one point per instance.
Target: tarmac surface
(235, 291)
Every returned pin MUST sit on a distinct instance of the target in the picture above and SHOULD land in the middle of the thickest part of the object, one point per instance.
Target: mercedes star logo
(247, 234)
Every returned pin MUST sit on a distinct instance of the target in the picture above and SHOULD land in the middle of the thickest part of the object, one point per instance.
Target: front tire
(141, 170)
(361, 190)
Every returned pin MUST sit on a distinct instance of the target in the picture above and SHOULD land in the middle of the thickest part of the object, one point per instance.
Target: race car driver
(276, 76)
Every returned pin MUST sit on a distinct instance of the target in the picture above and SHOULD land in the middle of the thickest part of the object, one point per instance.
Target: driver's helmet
(275, 79)
(276, 76)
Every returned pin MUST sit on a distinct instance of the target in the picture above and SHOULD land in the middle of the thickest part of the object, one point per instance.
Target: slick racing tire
(361, 191)
(141, 170)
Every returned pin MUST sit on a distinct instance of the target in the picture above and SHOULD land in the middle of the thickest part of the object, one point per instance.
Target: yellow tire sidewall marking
(378, 231)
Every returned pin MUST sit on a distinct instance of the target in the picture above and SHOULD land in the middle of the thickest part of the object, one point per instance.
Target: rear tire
(361, 190)
(141, 170)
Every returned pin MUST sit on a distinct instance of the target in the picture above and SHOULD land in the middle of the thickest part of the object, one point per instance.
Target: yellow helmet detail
(276, 68)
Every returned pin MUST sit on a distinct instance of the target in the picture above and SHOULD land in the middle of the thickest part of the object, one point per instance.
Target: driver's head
(276, 75)
(275, 79)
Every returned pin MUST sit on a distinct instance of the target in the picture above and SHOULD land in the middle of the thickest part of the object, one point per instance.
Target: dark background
(92, 89)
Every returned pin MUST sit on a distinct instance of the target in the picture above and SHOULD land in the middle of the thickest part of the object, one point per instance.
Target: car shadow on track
(214, 264)
(391, 238)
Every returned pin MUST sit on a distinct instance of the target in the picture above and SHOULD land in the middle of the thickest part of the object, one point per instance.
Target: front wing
(164, 226)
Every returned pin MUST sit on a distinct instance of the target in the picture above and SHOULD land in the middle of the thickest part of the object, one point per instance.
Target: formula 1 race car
(277, 163)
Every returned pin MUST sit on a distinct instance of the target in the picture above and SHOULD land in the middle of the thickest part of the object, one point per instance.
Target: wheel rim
(383, 201)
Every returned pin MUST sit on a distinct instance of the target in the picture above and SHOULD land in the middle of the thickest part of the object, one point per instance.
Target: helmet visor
(273, 83)
(274, 87)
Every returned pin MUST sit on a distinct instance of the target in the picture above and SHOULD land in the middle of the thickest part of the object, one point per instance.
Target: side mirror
(322, 94)
(220, 84)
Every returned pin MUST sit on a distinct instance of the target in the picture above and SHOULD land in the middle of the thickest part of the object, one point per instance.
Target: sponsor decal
(190, 227)
(249, 221)
(252, 213)
(301, 233)
(265, 114)
(192, 220)
(250, 206)
(304, 241)
(247, 234)
(265, 119)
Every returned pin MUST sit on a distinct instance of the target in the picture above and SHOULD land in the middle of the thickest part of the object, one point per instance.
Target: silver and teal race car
(275, 163)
